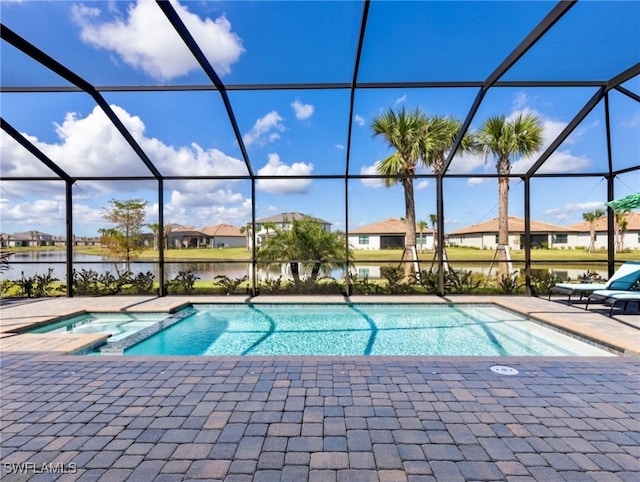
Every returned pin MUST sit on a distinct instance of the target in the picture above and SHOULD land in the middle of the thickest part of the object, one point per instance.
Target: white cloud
(424, 184)
(91, 146)
(521, 100)
(358, 119)
(302, 111)
(561, 161)
(145, 40)
(475, 181)
(371, 170)
(339, 147)
(265, 130)
(464, 163)
(41, 213)
(564, 161)
(400, 100)
(572, 209)
(204, 209)
(631, 123)
(284, 186)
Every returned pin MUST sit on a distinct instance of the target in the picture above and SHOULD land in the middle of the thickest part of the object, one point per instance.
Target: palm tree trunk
(503, 225)
(315, 271)
(295, 272)
(410, 221)
(592, 238)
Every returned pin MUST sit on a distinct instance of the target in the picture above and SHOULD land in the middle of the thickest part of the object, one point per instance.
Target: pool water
(118, 325)
(360, 329)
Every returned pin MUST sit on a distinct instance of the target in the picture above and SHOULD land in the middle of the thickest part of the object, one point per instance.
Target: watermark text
(33, 468)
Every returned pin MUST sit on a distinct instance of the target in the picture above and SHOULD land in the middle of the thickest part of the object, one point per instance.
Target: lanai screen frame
(491, 82)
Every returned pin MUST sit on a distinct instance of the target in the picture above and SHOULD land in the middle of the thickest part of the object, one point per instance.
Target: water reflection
(37, 262)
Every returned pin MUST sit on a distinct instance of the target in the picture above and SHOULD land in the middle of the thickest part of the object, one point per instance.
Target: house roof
(288, 217)
(516, 225)
(387, 226)
(28, 235)
(186, 232)
(633, 223)
(222, 230)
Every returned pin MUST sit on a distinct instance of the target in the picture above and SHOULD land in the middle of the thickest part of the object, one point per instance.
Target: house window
(363, 239)
(497, 239)
(560, 238)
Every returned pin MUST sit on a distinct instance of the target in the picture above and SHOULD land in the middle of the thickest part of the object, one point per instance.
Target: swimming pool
(360, 329)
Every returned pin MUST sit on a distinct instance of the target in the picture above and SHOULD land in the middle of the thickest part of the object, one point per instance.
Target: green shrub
(143, 283)
(182, 283)
(542, 281)
(229, 285)
(511, 283)
(38, 285)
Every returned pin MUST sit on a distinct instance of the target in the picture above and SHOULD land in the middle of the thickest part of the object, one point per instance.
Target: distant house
(265, 227)
(485, 235)
(224, 236)
(29, 239)
(630, 237)
(186, 238)
(388, 234)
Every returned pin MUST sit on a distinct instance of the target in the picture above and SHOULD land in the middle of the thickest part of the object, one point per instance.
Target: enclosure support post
(69, 243)
(527, 235)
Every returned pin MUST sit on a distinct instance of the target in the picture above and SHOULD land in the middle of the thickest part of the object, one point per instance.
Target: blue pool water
(360, 329)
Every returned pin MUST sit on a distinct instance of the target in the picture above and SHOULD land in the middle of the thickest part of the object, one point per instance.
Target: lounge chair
(613, 297)
(625, 277)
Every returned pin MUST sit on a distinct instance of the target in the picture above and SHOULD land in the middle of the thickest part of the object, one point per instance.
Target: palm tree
(421, 225)
(591, 218)
(434, 226)
(269, 225)
(308, 244)
(247, 232)
(443, 132)
(35, 236)
(521, 136)
(405, 132)
(155, 228)
(620, 226)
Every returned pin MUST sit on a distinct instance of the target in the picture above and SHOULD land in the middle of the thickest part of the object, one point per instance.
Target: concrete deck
(317, 418)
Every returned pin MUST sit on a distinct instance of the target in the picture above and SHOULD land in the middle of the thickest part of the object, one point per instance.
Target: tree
(122, 240)
(267, 226)
(620, 224)
(246, 230)
(421, 225)
(591, 218)
(434, 226)
(502, 138)
(155, 228)
(35, 237)
(442, 132)
(306, 243)
(404, 132)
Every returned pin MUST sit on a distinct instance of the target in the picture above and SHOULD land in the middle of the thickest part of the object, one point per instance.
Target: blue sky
(304, 132)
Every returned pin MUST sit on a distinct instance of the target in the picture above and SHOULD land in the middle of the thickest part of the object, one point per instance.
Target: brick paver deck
(318, 418)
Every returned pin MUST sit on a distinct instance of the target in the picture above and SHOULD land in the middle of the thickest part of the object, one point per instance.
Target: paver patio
(318, 418)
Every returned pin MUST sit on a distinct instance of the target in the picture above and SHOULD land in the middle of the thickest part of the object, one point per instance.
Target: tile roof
(387, 226)
(516, 225)
(633, 223)
(222, 230)
(288, 217)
